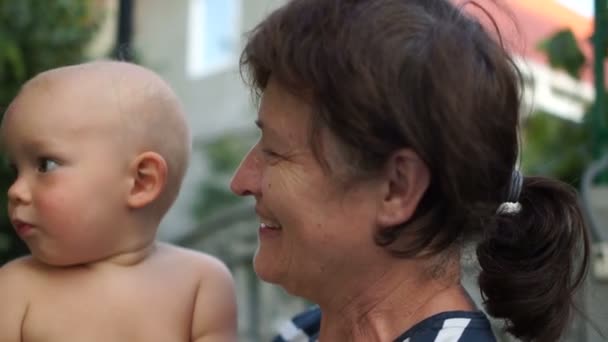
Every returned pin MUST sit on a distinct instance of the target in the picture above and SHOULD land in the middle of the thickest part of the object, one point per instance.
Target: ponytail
(532, 261)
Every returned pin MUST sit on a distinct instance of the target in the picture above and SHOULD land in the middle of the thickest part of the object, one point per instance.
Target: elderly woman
(388, 142)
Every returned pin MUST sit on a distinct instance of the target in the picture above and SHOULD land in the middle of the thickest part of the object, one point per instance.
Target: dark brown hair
(423, 74)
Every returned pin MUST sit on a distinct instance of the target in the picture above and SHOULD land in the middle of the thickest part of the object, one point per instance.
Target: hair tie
(512, 206)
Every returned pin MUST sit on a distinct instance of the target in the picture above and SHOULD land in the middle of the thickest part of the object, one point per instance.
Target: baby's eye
(46, 165)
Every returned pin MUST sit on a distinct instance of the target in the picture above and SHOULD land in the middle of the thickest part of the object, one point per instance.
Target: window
(213, 36)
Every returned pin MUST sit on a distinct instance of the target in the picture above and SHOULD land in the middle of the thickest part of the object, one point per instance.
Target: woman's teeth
(270, 225)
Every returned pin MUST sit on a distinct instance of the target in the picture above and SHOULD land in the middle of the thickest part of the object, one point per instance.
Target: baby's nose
(18, 192)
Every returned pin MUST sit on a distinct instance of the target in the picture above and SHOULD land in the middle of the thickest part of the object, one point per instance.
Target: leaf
(543, 135)
(14, 59)
(563, 52)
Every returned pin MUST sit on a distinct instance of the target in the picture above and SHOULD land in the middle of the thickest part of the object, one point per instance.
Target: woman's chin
(266, 268)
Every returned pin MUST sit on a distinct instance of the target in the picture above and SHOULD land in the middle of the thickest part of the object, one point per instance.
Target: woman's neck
(392, 304)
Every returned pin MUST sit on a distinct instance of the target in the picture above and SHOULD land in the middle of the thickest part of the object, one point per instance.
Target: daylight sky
(585, 7)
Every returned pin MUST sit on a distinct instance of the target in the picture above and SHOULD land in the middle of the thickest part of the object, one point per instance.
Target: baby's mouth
(22, 228)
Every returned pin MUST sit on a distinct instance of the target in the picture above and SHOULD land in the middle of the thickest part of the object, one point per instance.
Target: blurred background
(559, 45)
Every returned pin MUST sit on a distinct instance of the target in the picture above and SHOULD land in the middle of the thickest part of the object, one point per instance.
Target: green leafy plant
(553, 146)
(563, 52)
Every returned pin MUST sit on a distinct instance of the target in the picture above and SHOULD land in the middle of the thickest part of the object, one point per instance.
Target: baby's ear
(149, 176)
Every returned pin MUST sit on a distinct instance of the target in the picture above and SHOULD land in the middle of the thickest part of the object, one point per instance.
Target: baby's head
(99, 152)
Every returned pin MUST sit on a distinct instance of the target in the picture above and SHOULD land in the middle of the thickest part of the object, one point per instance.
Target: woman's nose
(247, 177)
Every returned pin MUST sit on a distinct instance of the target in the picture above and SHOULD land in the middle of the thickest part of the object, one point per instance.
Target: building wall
(103, 42)
(552, 91)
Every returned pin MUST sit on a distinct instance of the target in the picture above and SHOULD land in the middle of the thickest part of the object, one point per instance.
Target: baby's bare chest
(123, 309)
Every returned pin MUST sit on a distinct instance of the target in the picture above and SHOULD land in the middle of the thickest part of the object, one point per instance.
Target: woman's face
(310, 226)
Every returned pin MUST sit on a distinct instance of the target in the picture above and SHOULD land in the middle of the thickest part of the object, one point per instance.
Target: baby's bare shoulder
(20, 270)
(22, 277)
(195, 261)
(215, 303)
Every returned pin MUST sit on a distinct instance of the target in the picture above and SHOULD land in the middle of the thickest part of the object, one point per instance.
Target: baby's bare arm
(13, 281)
(215, 308)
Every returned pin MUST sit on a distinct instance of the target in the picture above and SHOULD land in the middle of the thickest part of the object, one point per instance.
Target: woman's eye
(270, 153)
(46, 165)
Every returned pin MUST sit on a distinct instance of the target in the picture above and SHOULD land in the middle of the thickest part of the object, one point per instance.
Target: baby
(99, 152)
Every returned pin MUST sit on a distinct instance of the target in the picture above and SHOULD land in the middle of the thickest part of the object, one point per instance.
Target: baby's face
(67, 198)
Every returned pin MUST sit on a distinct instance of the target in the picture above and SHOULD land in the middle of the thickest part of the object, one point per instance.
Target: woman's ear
(148, 172)
(406, 180)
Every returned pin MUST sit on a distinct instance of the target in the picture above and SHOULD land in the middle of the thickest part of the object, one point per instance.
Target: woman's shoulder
(451, 326)
(304, 325)
(470, 326)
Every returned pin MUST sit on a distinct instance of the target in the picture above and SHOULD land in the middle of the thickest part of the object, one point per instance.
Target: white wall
(554, 91)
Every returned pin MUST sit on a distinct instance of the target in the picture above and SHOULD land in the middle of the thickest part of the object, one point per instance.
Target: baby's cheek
(52, 200)
(59, 209)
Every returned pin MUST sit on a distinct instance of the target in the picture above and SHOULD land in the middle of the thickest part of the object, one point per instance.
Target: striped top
(451, 326)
